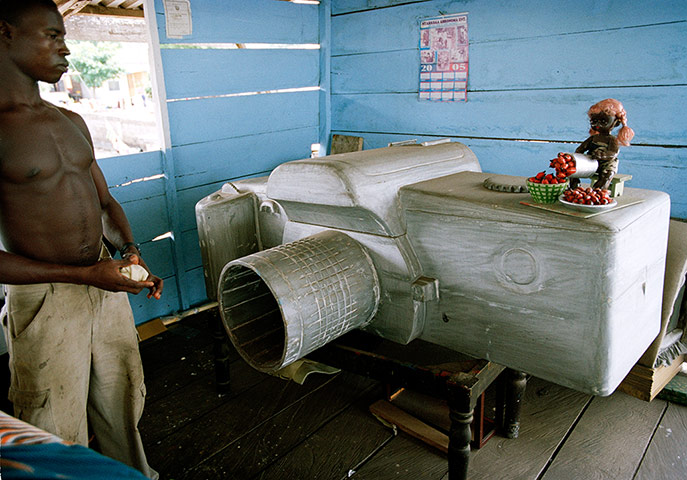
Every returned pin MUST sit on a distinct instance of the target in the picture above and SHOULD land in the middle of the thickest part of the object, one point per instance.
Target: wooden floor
(268, 428)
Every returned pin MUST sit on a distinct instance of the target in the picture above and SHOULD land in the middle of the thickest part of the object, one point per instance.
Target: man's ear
(5, 31)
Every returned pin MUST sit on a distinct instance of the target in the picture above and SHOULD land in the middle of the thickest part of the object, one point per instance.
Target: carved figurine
(602, 145)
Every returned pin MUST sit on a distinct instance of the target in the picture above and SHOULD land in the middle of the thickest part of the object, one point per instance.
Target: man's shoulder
(8, 109)
(72, 116)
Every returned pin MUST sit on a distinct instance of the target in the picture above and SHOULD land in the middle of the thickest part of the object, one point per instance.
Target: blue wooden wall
(535, 68)
(220, 127)
(138, 183)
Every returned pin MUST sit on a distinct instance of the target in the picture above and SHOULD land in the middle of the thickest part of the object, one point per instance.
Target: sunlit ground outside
(108, 84)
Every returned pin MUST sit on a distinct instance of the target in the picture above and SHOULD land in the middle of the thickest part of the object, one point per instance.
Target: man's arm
(19, 270)
(117, 230)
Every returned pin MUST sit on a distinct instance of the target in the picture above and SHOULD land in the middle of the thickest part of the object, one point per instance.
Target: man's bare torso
(45, 178)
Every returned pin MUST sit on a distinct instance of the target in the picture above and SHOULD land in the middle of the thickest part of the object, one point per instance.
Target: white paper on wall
(444, 58)
(178, 18)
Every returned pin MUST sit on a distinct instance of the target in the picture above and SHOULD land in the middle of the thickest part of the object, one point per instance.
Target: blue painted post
(325, 14)
(167, 155)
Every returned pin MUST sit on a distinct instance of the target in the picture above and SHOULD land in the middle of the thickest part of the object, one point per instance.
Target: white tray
(587, 208)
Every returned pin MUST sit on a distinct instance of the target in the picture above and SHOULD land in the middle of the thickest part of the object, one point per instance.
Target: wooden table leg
(221, 349)
(515, 393)
(460, 414)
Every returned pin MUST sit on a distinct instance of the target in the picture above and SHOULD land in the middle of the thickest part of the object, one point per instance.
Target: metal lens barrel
(280, 304)
(585, 164)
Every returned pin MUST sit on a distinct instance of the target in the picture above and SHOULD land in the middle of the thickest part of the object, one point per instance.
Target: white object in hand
(134, 272)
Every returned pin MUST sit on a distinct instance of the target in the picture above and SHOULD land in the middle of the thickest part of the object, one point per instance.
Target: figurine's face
(602, 122)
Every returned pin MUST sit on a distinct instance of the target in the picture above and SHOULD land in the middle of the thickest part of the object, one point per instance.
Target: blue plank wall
(535, 68)
(145, 204)
(220, 128)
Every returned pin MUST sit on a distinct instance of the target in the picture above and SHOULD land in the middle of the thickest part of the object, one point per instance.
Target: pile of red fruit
(544, 178)
(564, 164)
(588, 196)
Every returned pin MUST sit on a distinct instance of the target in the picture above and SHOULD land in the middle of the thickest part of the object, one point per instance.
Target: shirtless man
(73, 350)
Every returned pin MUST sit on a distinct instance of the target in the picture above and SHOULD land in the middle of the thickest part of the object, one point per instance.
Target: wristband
(127, 245)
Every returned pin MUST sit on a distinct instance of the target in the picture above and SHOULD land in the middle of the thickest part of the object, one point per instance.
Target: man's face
(37, 45)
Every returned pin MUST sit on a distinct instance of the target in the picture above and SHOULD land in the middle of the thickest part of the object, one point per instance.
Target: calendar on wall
(444, 58)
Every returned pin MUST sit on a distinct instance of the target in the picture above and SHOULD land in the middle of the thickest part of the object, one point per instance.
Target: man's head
(11, 11)
(32, 38)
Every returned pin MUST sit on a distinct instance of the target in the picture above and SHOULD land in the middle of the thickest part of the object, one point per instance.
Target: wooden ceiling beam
(109, 3)
(133, 4)
(117, 12)
(72, 7)
(64, 5)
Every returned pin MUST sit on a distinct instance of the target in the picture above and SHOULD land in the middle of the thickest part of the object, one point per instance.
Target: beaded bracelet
(127, 245)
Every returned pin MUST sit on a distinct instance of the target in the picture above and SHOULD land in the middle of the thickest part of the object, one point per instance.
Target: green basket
(546, 193)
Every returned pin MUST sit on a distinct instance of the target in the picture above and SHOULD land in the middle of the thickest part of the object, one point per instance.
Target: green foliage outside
(94, 61)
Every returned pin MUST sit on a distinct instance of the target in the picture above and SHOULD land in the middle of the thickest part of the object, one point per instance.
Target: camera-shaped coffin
(406, 242)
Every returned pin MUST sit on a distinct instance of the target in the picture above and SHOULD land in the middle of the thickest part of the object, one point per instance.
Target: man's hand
(156, 288)
(105, 274)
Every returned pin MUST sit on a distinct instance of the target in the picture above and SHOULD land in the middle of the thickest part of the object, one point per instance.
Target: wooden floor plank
(404, 457)
(182, 406)
(268, 441)
(666, 457)
(179, 356)
(548, 411)
(355, 434)
(158, 352)
(410, 425)
(187, 368)
(212, 432)
(564, 434)
(609, 441)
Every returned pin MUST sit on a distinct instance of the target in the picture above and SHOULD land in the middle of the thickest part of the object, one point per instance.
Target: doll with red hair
(602, 145)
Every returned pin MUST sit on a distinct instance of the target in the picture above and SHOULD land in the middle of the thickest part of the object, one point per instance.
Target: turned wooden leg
(515, 393)
(221, 349)
(460, 414)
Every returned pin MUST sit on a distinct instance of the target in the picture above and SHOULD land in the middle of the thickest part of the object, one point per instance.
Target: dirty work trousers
(74, 362)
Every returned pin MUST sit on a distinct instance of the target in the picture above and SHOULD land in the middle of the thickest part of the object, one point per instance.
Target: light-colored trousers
(75, 363)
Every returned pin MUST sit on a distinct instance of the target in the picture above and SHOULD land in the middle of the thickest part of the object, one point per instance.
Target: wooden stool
(422, 367)
(435, 371)
(617, 183)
